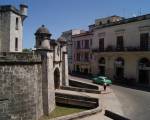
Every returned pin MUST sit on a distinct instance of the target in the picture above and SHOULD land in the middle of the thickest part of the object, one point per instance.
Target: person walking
(104, 85)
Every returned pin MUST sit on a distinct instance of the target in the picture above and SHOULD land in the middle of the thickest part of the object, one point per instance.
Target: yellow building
(121, 48)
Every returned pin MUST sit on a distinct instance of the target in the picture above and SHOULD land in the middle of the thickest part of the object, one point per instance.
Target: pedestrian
(104, 85)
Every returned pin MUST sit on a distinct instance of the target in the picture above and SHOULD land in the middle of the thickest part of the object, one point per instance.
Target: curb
(79, 115)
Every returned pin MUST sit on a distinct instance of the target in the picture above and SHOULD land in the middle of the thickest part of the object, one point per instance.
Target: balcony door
(144, 41)
(101, 44)
(120, 43)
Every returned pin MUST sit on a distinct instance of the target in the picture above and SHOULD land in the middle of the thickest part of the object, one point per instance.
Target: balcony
(83, 60)
(124, 49)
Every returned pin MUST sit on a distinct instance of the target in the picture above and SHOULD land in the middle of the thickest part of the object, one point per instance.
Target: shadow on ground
(136, 87)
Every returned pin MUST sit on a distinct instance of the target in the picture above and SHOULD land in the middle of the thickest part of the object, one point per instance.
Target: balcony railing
(115, 49)
(83, 60)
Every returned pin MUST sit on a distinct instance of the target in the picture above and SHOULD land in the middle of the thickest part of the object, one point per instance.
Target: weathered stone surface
(21, 91)
(27, 80)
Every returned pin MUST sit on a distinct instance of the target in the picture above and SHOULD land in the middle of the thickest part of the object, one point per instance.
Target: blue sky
(62, 15)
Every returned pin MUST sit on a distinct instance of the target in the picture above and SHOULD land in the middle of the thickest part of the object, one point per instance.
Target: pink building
(82, 52)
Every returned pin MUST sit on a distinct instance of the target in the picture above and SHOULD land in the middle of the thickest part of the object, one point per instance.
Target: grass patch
(62, 111)
(65, 110)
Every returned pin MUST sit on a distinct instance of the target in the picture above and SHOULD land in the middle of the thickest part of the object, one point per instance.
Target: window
(78, 56)
(101, 44)
(77, 68)
(91, 56)
(17, 23)
(101, 60)
(16, 44)
(78, 45)
(144, 38)
(86, 57)
(120, 43)
(86, 44)
(100, 23)
(108, 21)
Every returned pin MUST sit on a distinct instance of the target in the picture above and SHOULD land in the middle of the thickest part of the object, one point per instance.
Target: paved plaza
(108, 101)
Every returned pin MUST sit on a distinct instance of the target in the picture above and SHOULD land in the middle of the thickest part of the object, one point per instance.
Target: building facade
(11, 28)
(68, 36)
(121, 48)
(82, 52)
(28, 80)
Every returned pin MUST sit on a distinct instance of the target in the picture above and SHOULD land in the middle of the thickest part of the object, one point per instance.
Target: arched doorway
(101, 66)
(119, 68)
(144, 71)
(57, 78)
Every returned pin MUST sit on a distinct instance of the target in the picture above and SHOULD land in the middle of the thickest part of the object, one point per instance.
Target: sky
(62, 15)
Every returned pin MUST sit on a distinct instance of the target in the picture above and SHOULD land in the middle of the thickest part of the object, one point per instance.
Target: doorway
(57, 78)
(144, 71)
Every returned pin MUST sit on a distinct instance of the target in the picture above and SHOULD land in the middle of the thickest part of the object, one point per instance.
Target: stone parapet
(10, 57)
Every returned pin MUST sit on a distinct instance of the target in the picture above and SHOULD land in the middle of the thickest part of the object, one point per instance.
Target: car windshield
(101, 79)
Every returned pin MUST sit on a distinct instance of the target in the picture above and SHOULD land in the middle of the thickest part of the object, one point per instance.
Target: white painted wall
(130, 31)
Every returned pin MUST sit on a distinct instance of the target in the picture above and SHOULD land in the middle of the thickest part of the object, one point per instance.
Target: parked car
(101, 80)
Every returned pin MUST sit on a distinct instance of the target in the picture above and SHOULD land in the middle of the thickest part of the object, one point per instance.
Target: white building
(120, 48)
(125, 41)
(11, 28)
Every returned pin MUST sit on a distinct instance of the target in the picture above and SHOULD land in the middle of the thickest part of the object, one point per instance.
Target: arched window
(101, 60)
(119, 61)
(108, 21)
(144, 62)
(144, 71)
(119, 68)
(57, 78)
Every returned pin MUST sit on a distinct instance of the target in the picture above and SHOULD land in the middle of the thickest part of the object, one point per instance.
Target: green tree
(27, 50)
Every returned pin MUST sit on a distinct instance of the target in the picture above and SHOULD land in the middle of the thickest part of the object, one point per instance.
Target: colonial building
(82, 52)
(68, 36)
(120, 48)
(11, 28)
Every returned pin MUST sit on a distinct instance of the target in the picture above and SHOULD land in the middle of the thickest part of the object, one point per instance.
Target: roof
(42, 30)
(82, 34)
(6, 8)
(124, 21)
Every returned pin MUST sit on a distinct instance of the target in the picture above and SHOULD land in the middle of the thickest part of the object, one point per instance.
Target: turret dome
(42, 30)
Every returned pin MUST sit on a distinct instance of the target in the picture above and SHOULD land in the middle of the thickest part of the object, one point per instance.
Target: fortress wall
(20, 87)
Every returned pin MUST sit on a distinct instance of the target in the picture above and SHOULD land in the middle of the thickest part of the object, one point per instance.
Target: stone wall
(21, 95)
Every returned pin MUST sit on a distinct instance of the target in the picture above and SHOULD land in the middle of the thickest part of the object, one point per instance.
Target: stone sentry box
(21, 93)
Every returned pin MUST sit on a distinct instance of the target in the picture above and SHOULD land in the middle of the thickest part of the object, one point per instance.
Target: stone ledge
(19, 57)
(114, 116)
(81, 84)
(81, 89)
(79, 115)
(76, 100)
